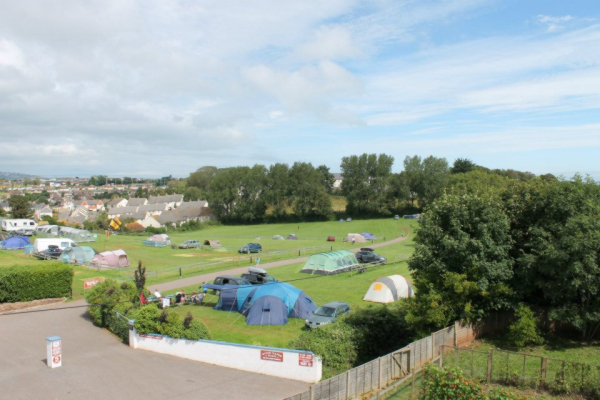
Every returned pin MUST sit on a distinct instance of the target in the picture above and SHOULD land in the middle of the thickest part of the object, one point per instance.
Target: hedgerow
(33, 282)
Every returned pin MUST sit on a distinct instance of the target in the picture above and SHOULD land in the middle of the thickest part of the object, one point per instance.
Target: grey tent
(76, 235)
(277, 237)
(333, 262)
(291, 236)
(78, 255)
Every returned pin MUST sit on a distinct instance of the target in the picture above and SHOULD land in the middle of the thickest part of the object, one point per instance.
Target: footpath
(199, 279)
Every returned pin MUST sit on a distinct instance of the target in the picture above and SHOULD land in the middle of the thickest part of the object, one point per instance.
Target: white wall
(231, 355)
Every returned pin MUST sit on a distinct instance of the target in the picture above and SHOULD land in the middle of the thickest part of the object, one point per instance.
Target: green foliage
(2, 212)
(366, 184)
(20, 207)
(461, 260)
(150, 319)
(308, 196)
(105, 296)
(334, 343)
(450, 383)
(462, 165)
(38, 281)
(524, 330)
(425, 179)
(139, 277)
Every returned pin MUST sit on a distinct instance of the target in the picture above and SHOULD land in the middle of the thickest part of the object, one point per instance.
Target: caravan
(25, 227)
(61, 243)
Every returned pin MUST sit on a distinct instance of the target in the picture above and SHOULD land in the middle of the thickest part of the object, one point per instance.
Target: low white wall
(284, 363)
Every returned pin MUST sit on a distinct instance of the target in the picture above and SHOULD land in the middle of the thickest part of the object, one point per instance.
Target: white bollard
(53, 352)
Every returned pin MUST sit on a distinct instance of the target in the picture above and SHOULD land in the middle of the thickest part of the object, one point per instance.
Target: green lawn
(163, 263)
(349, 287)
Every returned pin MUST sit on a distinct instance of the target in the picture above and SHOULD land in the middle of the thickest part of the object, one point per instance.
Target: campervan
(22, 226)
(62, 243)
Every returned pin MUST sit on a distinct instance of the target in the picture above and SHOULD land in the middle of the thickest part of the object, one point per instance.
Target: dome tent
(77, 255)
(160, 237)
(77, 235)
(329, 263)
(267, 304)
(389, 289)
(14, 242)
(358, 238)
(111, 259)
(368, 236)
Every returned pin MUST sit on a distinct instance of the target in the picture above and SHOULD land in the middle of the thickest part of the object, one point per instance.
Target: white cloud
(330, 43)
(553, 24)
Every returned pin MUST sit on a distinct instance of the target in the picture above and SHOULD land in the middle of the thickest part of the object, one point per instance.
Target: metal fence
(525, 370)
(404, 363)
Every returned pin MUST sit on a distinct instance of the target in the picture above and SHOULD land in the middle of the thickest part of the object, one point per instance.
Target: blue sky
(163, 87)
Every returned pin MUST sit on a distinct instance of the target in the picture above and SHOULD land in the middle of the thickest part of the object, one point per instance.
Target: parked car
(51, 253)
(230, 280)
(327, 314)
(331, 238)
(250, 248)
(368, 255)
(190, 244)
(258, 276)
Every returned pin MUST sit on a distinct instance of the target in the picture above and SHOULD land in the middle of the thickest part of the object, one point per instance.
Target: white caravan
(23, 226)
(61, 243)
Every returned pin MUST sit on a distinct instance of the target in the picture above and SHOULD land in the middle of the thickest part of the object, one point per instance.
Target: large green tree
(278, 190)
(461, 264)
(366, 184)
(308, 196)
(201, 178)
(20, 207)
(425, 178)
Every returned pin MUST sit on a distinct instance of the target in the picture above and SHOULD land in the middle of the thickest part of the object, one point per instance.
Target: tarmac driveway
(96, 365)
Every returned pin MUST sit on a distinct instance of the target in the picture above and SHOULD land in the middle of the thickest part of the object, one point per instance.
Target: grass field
(163, 263)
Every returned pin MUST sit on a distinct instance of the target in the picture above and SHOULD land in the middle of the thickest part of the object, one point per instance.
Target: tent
(368, 236)
(268, 304)
(213, 244)
(329, 263)
(77, 255)
(111, 259)
(161, 237)
(77, 235)
(14, 242)
(277, 237)
(291, 236)
(358, 238)
(389, 289)
(47, 230)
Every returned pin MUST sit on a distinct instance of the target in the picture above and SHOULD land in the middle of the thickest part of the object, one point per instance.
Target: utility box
(53, 351)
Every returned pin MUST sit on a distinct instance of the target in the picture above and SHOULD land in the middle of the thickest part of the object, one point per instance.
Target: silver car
(327, 313)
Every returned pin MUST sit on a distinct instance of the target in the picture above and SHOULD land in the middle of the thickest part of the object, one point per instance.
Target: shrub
(150, 319)
(147, 319)
(197, 330)
(32, 282)
(334, 343)
(524, 330)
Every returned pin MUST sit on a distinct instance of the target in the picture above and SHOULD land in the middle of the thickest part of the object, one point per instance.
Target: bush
(150, 319)
(147, 319)
(32, 282)
(334, 343)
(197, 330)
(524, 330)
(450, 383)
(105, 296)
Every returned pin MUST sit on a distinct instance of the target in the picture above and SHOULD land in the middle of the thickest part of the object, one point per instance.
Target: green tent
(329, 263)
(77, 255)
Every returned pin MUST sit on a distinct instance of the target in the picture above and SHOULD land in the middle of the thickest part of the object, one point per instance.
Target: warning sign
(56, 359)
(305, 360)
(90, 283)
(269, 355)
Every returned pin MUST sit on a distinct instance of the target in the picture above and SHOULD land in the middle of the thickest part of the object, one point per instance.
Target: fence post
(489, 366)
(455, 333)
(380, 378)
(441, 356)
(312, 392)
(543, 372)
(180, 272)
(408, 357)
(348, 384)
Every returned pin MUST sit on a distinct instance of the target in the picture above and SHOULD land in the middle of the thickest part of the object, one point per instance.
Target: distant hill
(15, 175)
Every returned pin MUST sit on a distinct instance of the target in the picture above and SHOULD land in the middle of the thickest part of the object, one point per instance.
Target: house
(170, 218)
(149, 221)
(136, 202)
(172, 200)
(96, 205)
(337, 182)
(5, 206)
(117, 203)
(41, 210)
(137, 216)
(119, 211)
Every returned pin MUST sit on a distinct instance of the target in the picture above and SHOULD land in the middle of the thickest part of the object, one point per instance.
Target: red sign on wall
(90, 283)
(305, 360)
(269, 355)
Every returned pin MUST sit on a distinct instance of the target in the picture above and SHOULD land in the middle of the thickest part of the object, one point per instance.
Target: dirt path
(199, 279)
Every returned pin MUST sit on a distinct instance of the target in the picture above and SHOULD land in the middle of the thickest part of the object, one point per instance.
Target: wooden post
(348, 384)
(180, 272)
(408, 357)
(489, 366)
(543, 372)
(455, 333)
(441, 356)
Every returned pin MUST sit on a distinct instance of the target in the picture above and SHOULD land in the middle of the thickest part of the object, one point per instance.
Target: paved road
(96, 365)
(199, 279)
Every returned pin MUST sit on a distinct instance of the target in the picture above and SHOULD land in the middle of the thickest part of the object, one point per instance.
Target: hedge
(33, 282)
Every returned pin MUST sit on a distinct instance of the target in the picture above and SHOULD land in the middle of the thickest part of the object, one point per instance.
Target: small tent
(160, 237)
(277, 237)
(77, 255)
(291, 236)
(14, 242)
(389, 289)
(213, 244)
(268, 304)
(111, 259)
(47, 231)
(76, 235)
(368, 236)
(329, 263)
(358, 238)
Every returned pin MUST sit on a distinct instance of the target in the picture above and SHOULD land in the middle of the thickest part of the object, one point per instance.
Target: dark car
(230, 280)
(190, 244)
(250, 248)
(258, 279)
(327, 314)
(368, 255)
(51, 253)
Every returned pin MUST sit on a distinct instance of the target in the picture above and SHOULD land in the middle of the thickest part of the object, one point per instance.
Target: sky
(154, 88)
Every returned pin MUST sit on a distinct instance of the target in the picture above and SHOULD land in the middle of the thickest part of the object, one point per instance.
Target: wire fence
(395, 368)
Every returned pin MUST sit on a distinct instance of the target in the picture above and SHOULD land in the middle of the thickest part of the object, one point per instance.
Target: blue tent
(15, 242)
(267, 304)
(368, 236)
